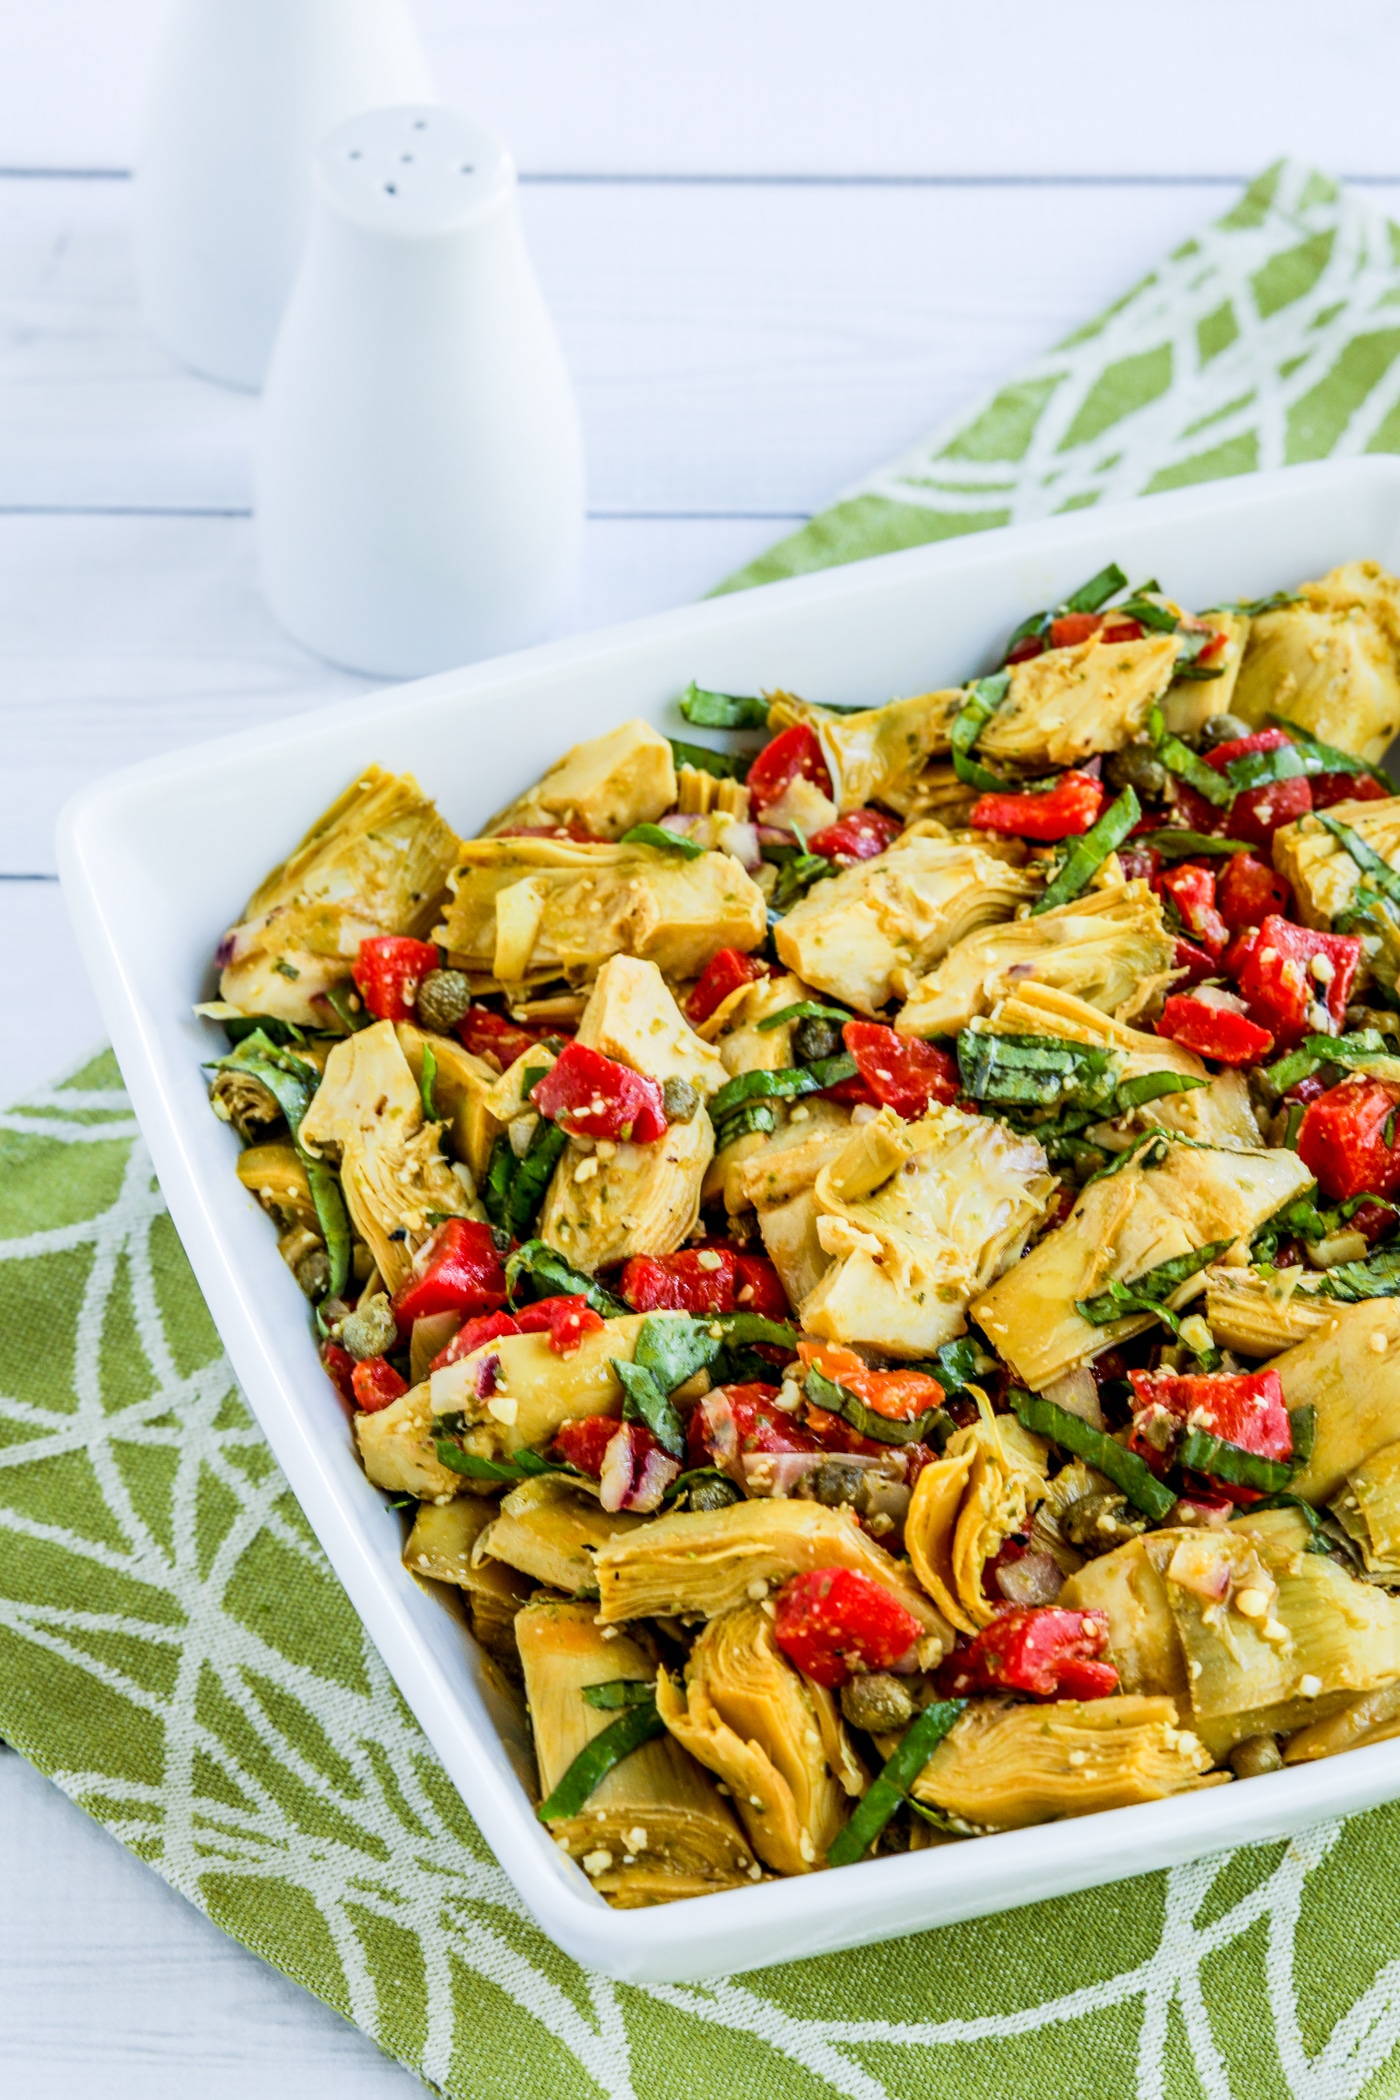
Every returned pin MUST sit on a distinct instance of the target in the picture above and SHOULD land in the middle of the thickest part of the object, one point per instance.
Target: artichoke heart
(603, 786)
(397, 1450)
(777, 1179)
(918, 1218)
(1006, 1767)
(516, 1393)
(632, 1017)
(1330, 662)
(525, 910)
(1348, 1372)
(550, 1529)
(1189, 704)
(440, 1549)
(656, 1828)
(377, 862)
(276, 1176)
(1110, 948)
(462, 1088)
(369, 1111)
(776, 1739)
(879, 753)
(965, 1506)
(1066, 704)
(1323, 876)
(1368, 1510)
(1258, 1315)
(639, 1199)
(865, 935)
(1124, 1224)
(699, 1563)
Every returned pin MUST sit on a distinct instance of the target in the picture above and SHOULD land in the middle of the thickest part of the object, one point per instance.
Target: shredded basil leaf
(548, 1275)
(634, 1726)
(1095, 594)
(883, 1796)
(1188, 845)
(665, 841)
(643, 1400)
(1148, 1293)
(805, 1010)
(1085, 855)
(723, 710)
(1383, 876)
(934, 1426)
(1098, 1449)
(722, 764)
(1035, 1071)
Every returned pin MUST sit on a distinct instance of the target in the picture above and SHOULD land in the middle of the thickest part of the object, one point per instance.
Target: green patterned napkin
(177, 1656)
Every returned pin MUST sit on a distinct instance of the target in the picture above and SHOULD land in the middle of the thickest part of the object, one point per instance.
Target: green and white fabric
(176, 1655)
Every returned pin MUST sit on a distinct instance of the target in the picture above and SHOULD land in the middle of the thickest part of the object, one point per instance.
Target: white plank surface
(782, 239)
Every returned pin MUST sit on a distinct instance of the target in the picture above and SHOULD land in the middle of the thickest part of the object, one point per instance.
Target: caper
(1135, 767)
(370, 1330)
(1097, 1523)
(1221, 729)
(1255, 1755)
(1377, 1017)
(679, 1100)
(877, 1702)
(443, 998)
(313, 1273)
(833, 1483)
(712, 1494)
(813, 1039)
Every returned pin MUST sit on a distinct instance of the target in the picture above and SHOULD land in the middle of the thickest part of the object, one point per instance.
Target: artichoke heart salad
(866, 1240)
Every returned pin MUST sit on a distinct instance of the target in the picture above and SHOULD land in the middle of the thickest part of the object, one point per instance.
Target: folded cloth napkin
(176, 1654)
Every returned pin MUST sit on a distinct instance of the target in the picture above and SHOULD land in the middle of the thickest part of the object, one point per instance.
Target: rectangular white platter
(157, 862)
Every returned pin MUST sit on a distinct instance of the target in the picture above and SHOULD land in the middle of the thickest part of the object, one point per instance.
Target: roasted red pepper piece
(832, 1618)
(340, 1369)
(1214, 1031)
(1073, 628)
(1247, 892)
(1196, 962)
(565, 1320)
(1256, 813)
(899, 1395)
(1041, 1650)
(1342, 1139)
(736, 1419)
(697, 1280)
(1296, 982)
(472, 1334)
(1191, 888)
(1062, 812)
(901, 1072)
(1244, 1408)
(760, 1288)
(859, 835)
(793, 752)
(1328, 788)
(457, 1270)
(388, 972)
(590, 1095)
(491, 1036)
(1029, 645)
(584, 1443)
(376, 1384)
(724, 973)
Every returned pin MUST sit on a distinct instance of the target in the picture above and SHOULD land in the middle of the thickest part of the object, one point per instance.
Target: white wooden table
(782, 239)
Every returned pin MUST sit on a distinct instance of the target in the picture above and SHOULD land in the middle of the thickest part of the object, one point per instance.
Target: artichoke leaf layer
(1330, 662)
(603, 786)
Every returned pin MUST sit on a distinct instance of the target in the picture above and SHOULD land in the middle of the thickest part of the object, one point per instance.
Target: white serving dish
(157, 861)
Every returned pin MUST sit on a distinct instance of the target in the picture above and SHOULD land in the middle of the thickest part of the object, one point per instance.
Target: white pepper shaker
(419, 462)
(244, 92)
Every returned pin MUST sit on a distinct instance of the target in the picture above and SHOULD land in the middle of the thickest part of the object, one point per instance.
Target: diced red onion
(1033, 1579)
(636, 1472)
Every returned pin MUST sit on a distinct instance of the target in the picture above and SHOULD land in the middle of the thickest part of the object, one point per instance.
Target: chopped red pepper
(474, 1334)
(898, 1395)
(1073, 628)
(1248, 891)
(1191, 888)
(724, 973)
(1196, 962)
(1296, 982)
(584, 1443)
(832, 1618)
(1256, 813)
(388, 972)
(793, 753)
(1220, 1032)
(859, 835)
(901, 1072)
(457, 1270)
(736, 1419)
(565, 1320)
(1120, 631)
(491, 1036)
(1209, 650)
(376, 1385)
(1244, 1408)
(590, 1095)
(1329, 788)
(697, 1280)
(1041, 1650)
(760, 1288)
(1021, 653)
(340, 1369)
(1343, 1139)
(1062, 812)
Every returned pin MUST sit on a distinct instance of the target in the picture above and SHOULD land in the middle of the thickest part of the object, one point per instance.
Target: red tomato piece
(1041, 1650)
(340, 1369)
(1220, 1032)
(585, 1442)
(1248, 891)
(793, 753)
(735, 1420)
(491, 1036)
(831, 1618)
(1191, 888)
(1342, 1139)
(1073, 628)
(724, 973)
(388, 972)
(565, 1320)
(1021, 653)
(457, 1270)
(474, 1334)
(1244, 1408)
(899, 1395)
(760, 1288)
(376, 1385)
(697, 1280)
(1328, 788)
(1064, 811)
(590, 1095)
(901, 1072)
(1256, 813)
(1296, 982)
(859, 835)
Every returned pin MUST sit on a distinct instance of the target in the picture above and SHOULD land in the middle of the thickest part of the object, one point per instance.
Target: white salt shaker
(244, 92)
(419, 462)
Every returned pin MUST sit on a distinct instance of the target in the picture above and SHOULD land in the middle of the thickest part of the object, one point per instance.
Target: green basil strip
(754, 1327)
(1193, 673)
(1304, 1423)
(933, 1426)
(1199, 1452)
(1385, 878)
(1187, 765)
(1353, 1052)
(984, 697)
(495, 1189)
(1150, 1291)
(550, 1276)
(1318, 757)
(1151, 1086)
(532, 1176)
(1253, 607)
(351, 1018)
(620, 1692)
(885, 1794)
(1124, 1468)
(333, 1219)
(665, 841)
(805, 1010)
(1095, 594)
(723, 710)
(634, 1726)
(785, 1084)
(1262, 768)
(694, 1475)
(526, 1465)
(238, 1027)
(957, 1363)
(1154, 617)
(644, 1401)
(797, 871)
(1087, 854)
(1173, 844)
(673, 1347)
(1034, 1071)
(704, 760)
(1351, 1281)
(292, 1084)
(427, 1081)
(754, 1118)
